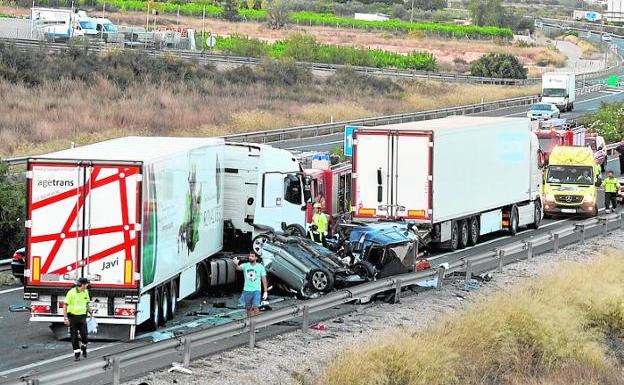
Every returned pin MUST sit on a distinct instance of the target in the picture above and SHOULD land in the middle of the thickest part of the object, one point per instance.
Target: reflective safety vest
(611, 185)
(77, 302)
(320, 220)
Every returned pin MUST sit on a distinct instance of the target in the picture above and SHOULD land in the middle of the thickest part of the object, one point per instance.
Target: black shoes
(84, 351)
(76, 356)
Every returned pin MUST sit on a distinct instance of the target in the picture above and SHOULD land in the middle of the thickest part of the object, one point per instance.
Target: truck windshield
(570, 175)
(554, 92)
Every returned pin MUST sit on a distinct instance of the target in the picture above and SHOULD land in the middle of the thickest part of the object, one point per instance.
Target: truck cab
(331, 180)
(263, 186)
(571, 182)
(559, 88)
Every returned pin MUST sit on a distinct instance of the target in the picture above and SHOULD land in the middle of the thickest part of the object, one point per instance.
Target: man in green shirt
(75, 312)
(254, 273)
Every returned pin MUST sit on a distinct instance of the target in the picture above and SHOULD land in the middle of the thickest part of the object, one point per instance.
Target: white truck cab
(559, 88)
(263, 186)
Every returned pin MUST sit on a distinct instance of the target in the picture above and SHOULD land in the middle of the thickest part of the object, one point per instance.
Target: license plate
(99, 308)
(568, 211)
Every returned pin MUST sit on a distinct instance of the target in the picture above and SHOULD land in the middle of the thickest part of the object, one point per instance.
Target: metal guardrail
(188, 346)
(5, 264)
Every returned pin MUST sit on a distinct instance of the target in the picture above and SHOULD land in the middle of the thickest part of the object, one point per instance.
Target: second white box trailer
(138, 216)
(457, 178)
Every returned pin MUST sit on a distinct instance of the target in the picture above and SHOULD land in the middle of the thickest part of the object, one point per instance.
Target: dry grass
(551, 330)
(37, 120)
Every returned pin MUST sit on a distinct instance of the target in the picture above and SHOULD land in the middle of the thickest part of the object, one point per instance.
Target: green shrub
(351, 80)
(608, 121)
(12, 212)
(498, 65)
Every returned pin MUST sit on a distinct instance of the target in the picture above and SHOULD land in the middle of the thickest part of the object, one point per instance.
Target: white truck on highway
(559, 88)
(138, 217)
(264, 185)
(457, 178)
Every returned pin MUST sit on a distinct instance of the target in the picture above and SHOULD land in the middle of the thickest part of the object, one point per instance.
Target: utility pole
(412, 13)
(203, 25)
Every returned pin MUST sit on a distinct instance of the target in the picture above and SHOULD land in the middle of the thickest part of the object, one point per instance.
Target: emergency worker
(611, 187)
(75, 316)
(319, 219)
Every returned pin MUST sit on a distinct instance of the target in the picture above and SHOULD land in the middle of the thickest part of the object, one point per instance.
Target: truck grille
(568, 199)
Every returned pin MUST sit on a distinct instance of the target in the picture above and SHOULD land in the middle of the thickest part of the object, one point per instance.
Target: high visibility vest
(611, 185)
(76, 302)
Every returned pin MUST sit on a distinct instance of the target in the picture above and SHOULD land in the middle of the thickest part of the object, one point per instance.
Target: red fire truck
(558, 132)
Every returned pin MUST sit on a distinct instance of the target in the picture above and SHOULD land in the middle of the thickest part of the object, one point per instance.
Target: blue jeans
(251, 299)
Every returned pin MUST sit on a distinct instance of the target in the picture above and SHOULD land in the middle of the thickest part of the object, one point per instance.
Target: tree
(230, 10)
(498, 65)
(428, 5)
(12, 210)
(487, 13)
(278, 12)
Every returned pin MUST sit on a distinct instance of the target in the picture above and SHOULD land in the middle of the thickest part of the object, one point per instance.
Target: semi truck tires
(473, 228)
(513, 220)
(537, 216)
(463, 233)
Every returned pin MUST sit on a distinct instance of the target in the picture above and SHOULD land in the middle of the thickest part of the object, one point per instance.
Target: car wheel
(365, 270)
(296, 230)
(321, 280)
(537, 216)
(473, 228)
(513, 220)
(257, 243)
(463, 234)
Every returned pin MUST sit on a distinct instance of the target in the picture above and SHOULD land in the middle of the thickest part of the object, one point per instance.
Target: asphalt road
(584, 104)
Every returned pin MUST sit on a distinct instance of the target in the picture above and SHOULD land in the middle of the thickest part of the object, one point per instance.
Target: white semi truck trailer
(139, 217)
(458, 178)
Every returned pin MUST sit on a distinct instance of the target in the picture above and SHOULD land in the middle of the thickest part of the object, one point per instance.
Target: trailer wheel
(513, 220)
(473, 228)
(463, 233)
(453, 243)
(164, 305)
(154, 310)
(537, 216)
(321, 280)
(173, 297)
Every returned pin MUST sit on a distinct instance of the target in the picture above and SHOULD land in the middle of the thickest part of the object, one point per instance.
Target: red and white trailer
(136, 216)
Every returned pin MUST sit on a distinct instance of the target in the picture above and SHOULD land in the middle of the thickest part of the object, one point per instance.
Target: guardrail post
(305, 319)
(468, 270)
(501, 256)
(187, 352)
(604, 226)
(34, 381)
(529, 246)
(440, 278)
(581, 228)
(397, 291)
(556, 242)
(252, 333)
(116, 370)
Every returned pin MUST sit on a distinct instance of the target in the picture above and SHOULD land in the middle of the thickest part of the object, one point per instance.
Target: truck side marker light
(128, 272)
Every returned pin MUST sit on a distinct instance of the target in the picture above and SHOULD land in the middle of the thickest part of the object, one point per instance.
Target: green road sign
(612, 81)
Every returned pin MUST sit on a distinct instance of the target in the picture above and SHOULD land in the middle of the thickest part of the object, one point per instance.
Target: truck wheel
(453, 243)
(321, 280)
(201, 276)
(164, 305)
(513, 220)
(154, 310)
(537, 216)
(463, 233)
(473, 229)
(173, 296)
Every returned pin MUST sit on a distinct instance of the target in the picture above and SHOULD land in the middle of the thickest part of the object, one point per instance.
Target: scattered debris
(472, 284)
(178, 367)
(159, 336)
(19, 307)
(319, 326)
(339, 321)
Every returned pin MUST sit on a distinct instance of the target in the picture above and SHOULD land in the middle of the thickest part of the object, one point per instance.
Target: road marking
(11, 290)
(35, 364)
